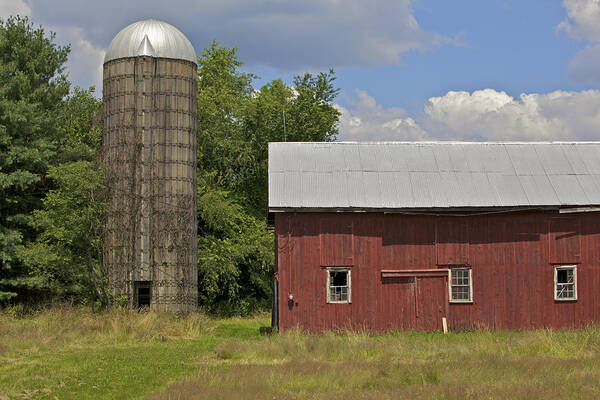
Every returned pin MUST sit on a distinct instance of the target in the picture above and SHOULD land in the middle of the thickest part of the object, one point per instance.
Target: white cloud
(583, 22)
(284, 36)
(85, 60)
(14, 7)
(482, 115)
(585, 66)
(583, 19)
(366, 120)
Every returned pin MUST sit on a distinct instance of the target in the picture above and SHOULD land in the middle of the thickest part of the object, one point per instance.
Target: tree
(235, 255)
(32, 86)
(66, 255)
(233, 246)
(235, 124)
(279, 113)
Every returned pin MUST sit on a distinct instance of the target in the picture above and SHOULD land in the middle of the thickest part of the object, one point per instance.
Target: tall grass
(71, 353)
(415, 365)
(67, 325)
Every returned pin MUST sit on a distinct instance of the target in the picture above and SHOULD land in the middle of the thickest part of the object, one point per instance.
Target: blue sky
(506, 45)
(514, 46)
(408, 70)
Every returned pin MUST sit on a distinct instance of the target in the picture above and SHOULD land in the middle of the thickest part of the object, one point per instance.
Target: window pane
(338, 278)
(565, 290)
(460, 285)
(565, 283)
(338, 286)
(561, 276)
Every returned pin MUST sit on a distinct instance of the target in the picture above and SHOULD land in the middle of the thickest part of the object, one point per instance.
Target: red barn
(397, 235)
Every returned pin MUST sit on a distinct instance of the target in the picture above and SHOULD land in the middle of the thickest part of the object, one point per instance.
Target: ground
(72, 353)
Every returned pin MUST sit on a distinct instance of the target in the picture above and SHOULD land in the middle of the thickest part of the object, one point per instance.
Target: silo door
(143, 294)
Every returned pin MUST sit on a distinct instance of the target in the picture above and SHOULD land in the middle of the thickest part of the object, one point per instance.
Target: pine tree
(32, 87)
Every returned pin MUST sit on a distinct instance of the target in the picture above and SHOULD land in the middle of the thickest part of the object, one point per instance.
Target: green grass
(72, 353)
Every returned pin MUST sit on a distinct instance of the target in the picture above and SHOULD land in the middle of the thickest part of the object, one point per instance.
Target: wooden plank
(405, 273)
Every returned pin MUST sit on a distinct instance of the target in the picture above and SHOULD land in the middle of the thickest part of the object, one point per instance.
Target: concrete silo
(149, 151)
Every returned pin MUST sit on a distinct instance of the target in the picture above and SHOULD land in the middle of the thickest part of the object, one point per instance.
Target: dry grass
(469, 365)
(4, 349)
(65, 325)
(71, 353)
(393, 379)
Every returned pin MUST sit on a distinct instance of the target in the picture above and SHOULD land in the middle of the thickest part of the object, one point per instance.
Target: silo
(149, 152)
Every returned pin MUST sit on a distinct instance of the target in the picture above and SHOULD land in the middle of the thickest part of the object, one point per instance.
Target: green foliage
(235, 256)
(66, 252)
(235, 125)
(32, 86)
(223, 95)
(80, 124)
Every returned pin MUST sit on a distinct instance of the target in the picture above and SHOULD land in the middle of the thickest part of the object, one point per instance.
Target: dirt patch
(4, 349)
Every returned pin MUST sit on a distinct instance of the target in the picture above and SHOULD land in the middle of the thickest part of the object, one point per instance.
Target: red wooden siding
(336, 241)
(512, 257)
(452, 243)
(564, 240)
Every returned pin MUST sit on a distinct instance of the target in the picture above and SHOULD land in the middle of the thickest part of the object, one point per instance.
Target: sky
(494, 70)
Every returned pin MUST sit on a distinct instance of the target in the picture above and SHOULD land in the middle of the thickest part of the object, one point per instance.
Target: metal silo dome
(150, 38)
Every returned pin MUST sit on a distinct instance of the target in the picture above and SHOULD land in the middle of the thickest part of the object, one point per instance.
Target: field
(71, 353)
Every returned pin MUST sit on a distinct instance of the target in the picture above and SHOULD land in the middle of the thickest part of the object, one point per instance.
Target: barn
(414, 235)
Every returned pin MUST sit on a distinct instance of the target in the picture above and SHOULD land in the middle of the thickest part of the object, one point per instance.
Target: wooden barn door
(419, 300)
(431, 302)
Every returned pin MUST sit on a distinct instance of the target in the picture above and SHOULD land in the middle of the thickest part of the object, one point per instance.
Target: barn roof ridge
(386, 142)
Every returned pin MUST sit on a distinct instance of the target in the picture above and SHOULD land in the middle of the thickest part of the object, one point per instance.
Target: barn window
(338, 285)
(565, 283)
(461, 287)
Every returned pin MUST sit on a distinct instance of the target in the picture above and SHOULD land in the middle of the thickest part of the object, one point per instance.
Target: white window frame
(470, 299)
(338, 269)
(565, 267)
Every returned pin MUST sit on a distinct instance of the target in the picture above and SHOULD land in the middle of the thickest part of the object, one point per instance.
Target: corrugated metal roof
(150, 38)
(421, 175)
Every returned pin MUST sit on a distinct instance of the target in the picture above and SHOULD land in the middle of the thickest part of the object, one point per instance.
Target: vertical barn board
(452, 241)
(590, 225)
(431, 302)
(400, 304)
(371, 271)
(282, 224)
(315, 277)
(565, 246)
(478, 238)
(423, 250)
(297, 261)
(367, 262)
(530, 236)
(483, 290)
(399, 241)
(336, 240)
